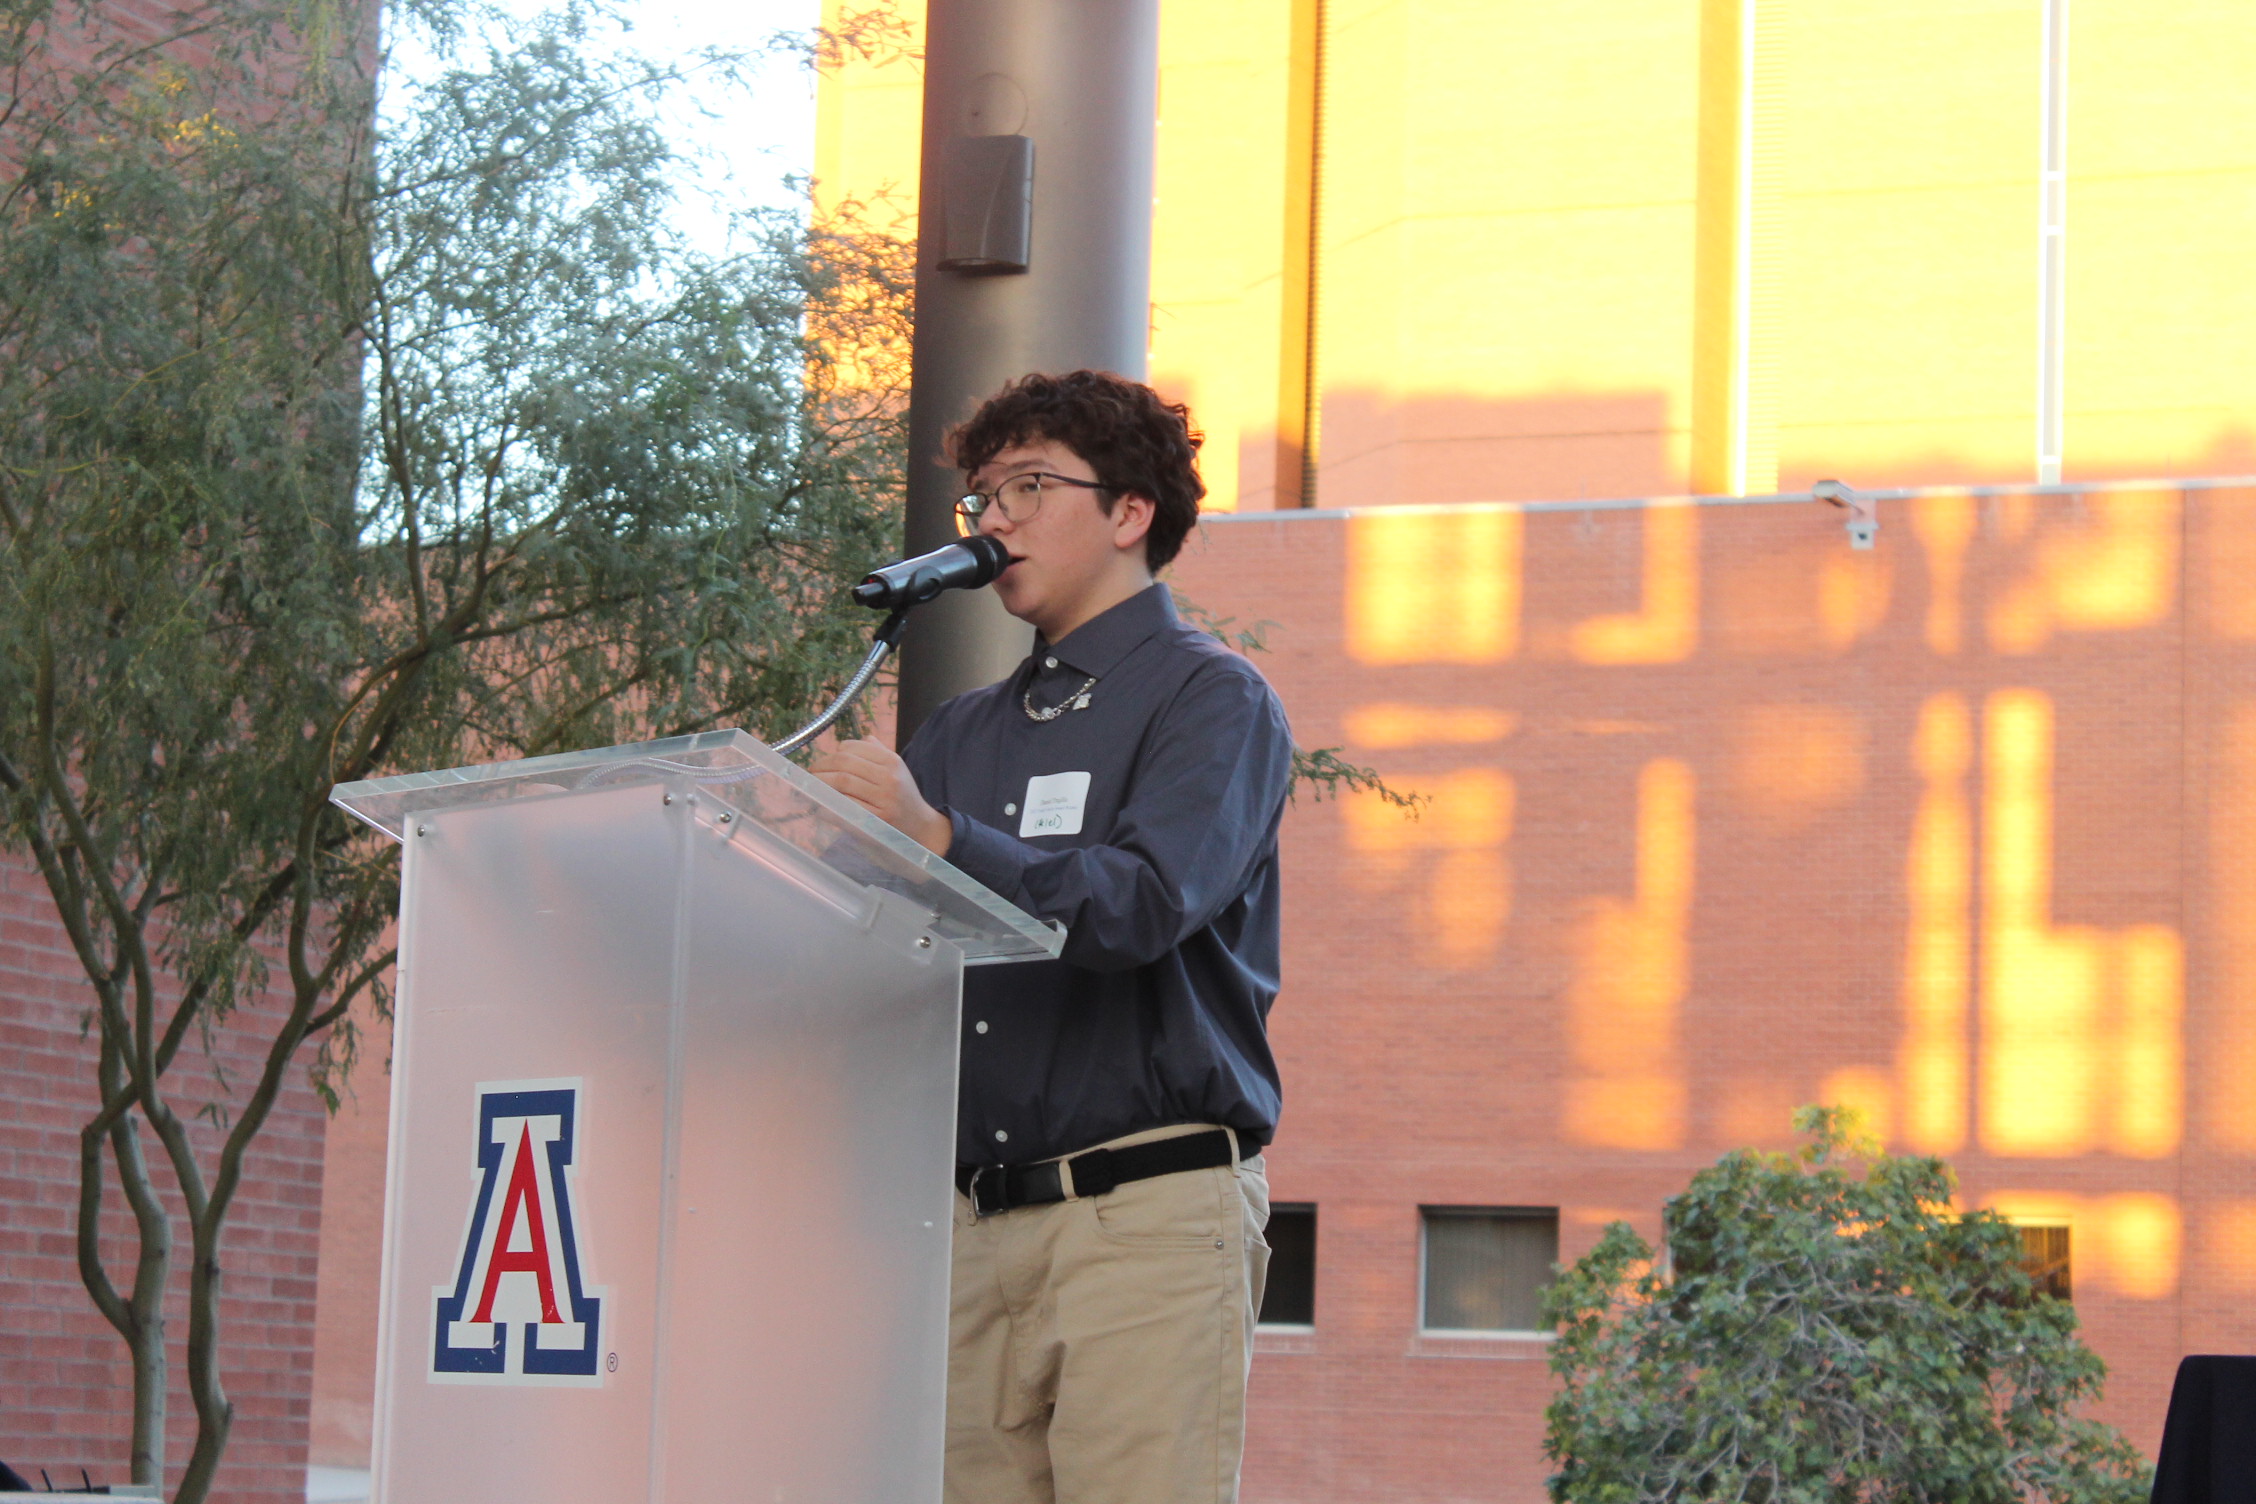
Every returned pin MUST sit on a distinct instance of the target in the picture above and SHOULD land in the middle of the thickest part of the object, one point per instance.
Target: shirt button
(980, 1027)
(1049, 663)
(1010, 809)
(1001, 1137)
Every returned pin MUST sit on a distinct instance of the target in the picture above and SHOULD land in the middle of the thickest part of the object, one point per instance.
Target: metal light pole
(1033, 254)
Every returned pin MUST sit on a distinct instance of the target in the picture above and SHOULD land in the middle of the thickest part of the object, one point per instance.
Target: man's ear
(1131, 519)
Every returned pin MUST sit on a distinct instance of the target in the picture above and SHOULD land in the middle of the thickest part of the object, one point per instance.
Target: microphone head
(965, 564)
(994, 557)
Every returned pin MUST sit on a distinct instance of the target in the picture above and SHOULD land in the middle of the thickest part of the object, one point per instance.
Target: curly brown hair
(1134, 439)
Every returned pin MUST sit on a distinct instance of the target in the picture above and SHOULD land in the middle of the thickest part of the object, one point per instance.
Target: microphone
(965, 564)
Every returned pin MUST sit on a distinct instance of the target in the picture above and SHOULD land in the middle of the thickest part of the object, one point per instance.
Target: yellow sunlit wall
(869, 111)
(2161, 211)
(1902, 263)
(1531, 251)
(1226, 273)
(1504, 264)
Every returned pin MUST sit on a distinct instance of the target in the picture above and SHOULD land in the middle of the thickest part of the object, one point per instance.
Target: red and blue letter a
(516, 1312)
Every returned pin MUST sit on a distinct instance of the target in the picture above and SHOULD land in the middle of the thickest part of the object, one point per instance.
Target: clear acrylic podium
(673, 1126)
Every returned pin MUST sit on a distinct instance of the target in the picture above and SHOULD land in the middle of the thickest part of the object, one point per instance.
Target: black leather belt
(998, 1188)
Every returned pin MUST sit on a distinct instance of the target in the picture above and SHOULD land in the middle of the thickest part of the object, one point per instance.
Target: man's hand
(873, 776)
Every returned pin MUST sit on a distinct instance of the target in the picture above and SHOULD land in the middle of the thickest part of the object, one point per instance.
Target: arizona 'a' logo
(516, 1312)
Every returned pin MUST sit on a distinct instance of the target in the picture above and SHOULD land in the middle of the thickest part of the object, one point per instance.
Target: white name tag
(1053, 805)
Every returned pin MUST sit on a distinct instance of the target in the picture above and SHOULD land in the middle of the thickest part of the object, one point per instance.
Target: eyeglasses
(1017, 499)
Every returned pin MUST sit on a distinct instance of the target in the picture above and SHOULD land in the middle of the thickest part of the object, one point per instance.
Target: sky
(765, 132)
(759, 133)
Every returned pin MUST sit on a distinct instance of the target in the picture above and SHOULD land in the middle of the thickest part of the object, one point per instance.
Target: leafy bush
(1817, 1335)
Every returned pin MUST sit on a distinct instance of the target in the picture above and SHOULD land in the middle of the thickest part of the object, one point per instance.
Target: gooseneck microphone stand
(965, 564)
(896, 589)
(888, 634)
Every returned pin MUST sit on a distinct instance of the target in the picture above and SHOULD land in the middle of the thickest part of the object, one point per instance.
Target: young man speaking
(1126, 780)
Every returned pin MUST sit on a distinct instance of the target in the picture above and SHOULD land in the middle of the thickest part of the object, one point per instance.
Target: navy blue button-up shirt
(1144, 821)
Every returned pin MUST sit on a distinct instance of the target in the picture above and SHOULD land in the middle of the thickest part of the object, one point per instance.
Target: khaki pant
(1097, 1349)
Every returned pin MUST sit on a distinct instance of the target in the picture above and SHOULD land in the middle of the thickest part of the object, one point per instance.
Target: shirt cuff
(983, 852)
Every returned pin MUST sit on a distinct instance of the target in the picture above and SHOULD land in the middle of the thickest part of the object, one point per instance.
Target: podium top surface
(770, 794)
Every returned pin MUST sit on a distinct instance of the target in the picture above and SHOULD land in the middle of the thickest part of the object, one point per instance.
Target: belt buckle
(972, 1191)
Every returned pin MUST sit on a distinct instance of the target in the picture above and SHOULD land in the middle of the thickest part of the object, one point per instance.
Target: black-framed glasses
(1017, 499)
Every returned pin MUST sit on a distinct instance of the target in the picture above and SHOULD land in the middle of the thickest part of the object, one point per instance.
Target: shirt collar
(1109, 636)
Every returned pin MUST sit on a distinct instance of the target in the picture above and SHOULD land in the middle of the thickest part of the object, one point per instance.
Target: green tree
(1824, 1330)
(327, 453)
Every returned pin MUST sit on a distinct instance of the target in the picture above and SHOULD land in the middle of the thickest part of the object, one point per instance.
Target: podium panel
(669, 1193)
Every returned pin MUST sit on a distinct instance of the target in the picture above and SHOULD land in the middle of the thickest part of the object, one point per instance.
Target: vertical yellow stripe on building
(1297, 409)
(1715, 328)
(2148, 976)
(1760, 292)
(2082, 1027)
(1633, 969)
(2041, 1004)
(2052, 244)
(1938, 956)
(1735, 318)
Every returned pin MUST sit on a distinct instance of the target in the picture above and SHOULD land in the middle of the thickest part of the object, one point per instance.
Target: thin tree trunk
(140, 1320)
(215, 1412)
(151, 1367)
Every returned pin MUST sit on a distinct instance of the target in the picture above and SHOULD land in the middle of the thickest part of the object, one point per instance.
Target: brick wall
(352, 1225)
(1728, 817)
(68, 1399)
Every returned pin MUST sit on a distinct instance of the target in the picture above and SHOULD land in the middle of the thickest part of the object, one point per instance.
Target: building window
(1289, 1300)
(1485, 1267)
(2044, 1253)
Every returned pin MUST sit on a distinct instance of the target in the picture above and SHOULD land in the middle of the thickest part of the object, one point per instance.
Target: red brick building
(67, 1399)
(1729, 816)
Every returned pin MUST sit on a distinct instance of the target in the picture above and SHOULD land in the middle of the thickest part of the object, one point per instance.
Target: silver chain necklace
(1078, 700)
